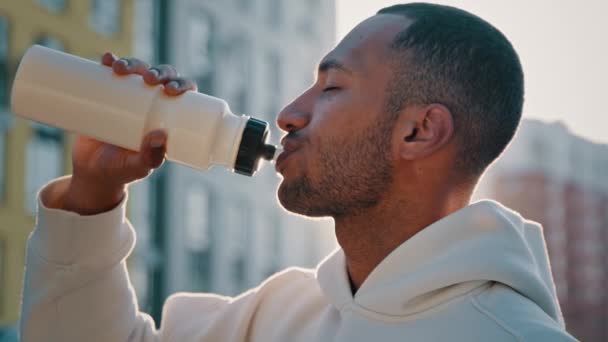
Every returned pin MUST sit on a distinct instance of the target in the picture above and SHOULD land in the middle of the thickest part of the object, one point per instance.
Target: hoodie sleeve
(77, 287)
(76, 284)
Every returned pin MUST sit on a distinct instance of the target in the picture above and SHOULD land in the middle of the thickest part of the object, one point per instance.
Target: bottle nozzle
(271, 152)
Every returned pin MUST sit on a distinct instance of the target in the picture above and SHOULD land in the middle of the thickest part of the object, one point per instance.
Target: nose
(295, 115)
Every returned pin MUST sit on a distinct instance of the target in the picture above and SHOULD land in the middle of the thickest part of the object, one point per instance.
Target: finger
(135, 168)
(108, 58)
(153, 149)
(160, 74)
(150, 156)
(127, 66)
(178, 86)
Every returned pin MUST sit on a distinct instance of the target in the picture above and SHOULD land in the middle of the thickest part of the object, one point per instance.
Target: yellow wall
(28, 21)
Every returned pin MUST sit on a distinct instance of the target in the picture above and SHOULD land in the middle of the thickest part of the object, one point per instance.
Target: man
(405, 115)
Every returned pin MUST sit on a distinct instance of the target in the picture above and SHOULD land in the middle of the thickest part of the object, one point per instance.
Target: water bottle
(79, 95)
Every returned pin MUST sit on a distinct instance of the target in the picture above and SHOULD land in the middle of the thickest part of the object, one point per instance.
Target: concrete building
(558, 179)
(212, 231)
(217, 231)
(30, 153)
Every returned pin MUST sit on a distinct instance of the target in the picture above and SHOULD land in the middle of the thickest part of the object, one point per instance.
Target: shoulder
(290, 284)
(186, 315)
(288, 280)
(518, 315)
(290, 276)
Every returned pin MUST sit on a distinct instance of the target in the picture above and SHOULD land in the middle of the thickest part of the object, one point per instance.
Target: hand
(101, 170)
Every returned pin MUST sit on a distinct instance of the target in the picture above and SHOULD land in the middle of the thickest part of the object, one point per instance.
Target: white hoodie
(480, 274)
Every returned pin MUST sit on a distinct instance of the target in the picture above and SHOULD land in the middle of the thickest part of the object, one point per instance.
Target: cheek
(344, 116)
(337, 113)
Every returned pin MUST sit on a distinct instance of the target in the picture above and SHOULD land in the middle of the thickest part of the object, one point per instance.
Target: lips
(283, 157)
(289, 147)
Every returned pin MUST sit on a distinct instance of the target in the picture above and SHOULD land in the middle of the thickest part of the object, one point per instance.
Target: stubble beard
(354, 174)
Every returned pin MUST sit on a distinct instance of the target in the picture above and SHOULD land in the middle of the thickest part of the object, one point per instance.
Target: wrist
(87, 197)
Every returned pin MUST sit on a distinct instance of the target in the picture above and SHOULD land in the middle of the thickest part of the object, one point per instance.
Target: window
(44, 150)
(244, 5)
(4, 116)
(105, 16)
(198, 237)
(274, 81)
(146, 30)
(268, 248)
(235, 64)
(197, 228)
(143, 259)
(3, 63)
(53, 5)
(44, 160)
(3, 129)
(236, 243)
(274, 13)
(306, 23)
(200, 41)
(51, 42)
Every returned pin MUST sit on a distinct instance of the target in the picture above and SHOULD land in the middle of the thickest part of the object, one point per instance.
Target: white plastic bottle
(82, 96)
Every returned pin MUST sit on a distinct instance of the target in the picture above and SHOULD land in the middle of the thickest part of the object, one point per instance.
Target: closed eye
(330, 89)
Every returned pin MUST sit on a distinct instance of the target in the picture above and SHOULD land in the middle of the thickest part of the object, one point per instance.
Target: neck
(370, 236)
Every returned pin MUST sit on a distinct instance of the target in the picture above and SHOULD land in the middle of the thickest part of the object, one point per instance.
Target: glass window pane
(3, 63)
(197, 214)
(146, 30)
(200, 38)
(105, 16)
(274, 13)
(201, 55)
(44, 161)
(237, 237)
(274, 79)
(235, 63)
(244, 5)
(51, 42)
(4, 118)
(53, 5)
(198, 238)
(2, 157)
(267, 237)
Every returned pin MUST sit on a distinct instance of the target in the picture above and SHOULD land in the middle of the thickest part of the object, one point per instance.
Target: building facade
(217, 231)
(197, 231)
(31, 154)
(558, 179)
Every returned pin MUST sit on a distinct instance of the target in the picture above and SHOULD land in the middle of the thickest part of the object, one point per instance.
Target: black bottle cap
(253, 147)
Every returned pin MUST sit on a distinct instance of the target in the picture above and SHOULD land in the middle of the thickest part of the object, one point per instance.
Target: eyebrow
(329, 64)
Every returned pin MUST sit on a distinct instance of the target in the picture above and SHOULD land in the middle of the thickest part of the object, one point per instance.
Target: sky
(563, 47)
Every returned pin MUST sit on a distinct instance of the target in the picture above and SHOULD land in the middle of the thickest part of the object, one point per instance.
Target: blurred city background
(221, 232)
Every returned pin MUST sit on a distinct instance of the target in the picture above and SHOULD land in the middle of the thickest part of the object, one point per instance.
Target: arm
(76, 285)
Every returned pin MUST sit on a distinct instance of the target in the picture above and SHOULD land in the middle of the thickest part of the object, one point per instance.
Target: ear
(424, 130)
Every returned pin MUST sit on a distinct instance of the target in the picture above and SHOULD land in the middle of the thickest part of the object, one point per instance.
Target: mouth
(290, 146)
(282, 160)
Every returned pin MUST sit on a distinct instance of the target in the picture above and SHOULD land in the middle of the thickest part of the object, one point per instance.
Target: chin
(293, 199)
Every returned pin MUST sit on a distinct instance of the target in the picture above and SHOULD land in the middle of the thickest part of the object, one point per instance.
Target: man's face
(338, 150)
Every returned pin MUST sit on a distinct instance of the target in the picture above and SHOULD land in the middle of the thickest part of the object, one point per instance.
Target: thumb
(151, 155)
(153, 149)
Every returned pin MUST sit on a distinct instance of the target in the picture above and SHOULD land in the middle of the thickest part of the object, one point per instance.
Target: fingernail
(157, 141)
(173, 84)
(154, 72)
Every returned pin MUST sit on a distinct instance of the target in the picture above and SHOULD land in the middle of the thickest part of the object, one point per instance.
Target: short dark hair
(455, 58)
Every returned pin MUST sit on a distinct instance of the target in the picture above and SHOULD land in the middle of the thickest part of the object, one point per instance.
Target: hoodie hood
(483, 242)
